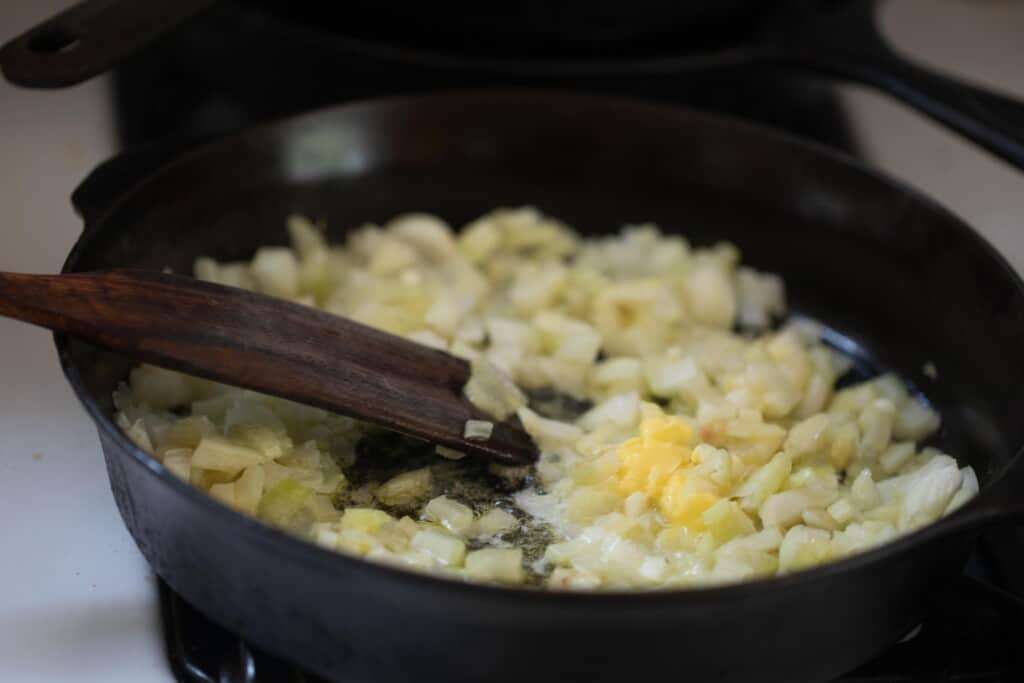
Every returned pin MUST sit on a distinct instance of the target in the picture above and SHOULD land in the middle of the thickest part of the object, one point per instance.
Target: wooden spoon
(273, 346)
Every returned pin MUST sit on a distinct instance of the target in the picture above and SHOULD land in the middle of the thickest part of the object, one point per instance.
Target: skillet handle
(847, 43)
(89, 38)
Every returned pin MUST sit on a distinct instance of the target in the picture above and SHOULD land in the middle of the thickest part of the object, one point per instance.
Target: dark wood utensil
(273, 346)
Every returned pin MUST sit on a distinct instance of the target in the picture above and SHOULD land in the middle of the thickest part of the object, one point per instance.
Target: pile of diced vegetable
(686, 438)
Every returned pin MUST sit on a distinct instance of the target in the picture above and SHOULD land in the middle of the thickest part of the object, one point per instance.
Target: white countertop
(77, 601)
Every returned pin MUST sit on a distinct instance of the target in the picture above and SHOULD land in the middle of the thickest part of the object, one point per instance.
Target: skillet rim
(976, 513)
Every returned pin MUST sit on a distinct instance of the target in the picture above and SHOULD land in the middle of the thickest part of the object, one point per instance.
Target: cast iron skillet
(879, 263)
(572, 43)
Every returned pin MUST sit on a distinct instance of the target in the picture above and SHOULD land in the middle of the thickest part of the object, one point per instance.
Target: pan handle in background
(89, 38)
(846, 43)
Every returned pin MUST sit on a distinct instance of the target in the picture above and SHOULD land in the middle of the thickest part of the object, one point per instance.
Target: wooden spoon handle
(258, 342)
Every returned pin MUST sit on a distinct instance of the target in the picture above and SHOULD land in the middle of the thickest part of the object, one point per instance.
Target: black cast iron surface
(972, 636)
(887, 268)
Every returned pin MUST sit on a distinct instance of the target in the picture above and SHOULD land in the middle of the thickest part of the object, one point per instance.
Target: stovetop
(82, 608)
(178, 90)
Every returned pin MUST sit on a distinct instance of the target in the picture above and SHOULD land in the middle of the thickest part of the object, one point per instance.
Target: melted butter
(658, 463)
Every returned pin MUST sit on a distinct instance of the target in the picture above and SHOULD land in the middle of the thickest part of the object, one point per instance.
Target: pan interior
(900, 282)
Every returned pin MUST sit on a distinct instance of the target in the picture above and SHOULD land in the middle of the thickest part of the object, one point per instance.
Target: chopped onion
(478, 430)
(675, 452)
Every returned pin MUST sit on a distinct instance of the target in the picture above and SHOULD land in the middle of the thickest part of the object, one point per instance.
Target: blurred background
(77, 602)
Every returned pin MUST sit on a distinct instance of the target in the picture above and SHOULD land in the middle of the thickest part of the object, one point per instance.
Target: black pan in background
(618, 45)
(876, 261)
